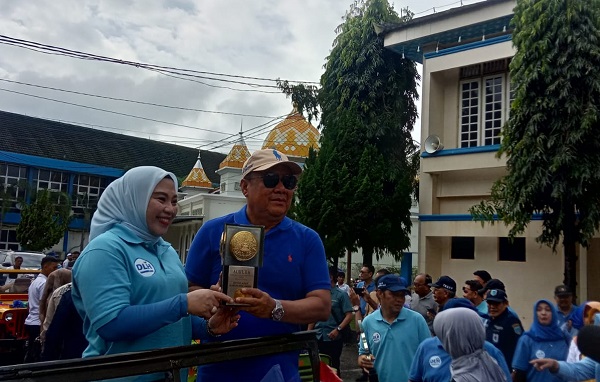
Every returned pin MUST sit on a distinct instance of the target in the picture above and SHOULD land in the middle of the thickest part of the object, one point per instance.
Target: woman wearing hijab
(544, 339)
(589, 314)
(129, 285)
(462, 335)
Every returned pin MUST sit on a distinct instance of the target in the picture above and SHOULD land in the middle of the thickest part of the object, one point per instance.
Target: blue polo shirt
(118, 269)
(294, 264)
(394, 345)
(528, 349)
(432, 363)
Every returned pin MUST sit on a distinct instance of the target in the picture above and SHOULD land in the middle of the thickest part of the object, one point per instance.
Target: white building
(465, 54)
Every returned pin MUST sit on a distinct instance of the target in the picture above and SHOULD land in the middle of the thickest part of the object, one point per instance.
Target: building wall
(455, 179)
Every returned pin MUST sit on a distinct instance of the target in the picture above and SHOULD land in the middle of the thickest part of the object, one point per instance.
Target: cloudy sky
(269, 39)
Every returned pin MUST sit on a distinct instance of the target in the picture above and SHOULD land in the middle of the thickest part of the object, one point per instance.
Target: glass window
(11, 176)
(483, 106)
(8, 239)
(51, 180)
(87, 190)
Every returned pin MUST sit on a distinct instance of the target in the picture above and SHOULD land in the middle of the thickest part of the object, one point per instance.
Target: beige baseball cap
(264, 159)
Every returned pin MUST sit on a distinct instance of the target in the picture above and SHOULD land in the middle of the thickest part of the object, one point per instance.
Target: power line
(51, 49)
(113, 112)
(134, 101)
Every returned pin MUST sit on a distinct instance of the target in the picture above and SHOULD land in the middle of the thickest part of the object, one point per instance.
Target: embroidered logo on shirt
(435, 362)
(495, 338)
(376, 337)
(144, 267)
(540, 354)
(517, 328)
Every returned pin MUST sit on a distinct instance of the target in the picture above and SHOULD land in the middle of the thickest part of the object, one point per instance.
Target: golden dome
(197, 177)
(237, 156)
(293, 136)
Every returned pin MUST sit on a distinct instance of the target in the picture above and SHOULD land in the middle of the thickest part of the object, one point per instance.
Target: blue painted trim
(469, 46)
(406, 267)
(14, 218)
(462, 151)
(58, 164)
(460, 217)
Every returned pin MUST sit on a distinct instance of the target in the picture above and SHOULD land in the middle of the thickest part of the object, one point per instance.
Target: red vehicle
(13, 312)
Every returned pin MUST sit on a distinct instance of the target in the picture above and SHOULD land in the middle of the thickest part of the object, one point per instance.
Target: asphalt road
(350, 369)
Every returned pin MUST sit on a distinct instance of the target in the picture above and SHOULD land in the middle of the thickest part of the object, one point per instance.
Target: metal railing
(163, 360)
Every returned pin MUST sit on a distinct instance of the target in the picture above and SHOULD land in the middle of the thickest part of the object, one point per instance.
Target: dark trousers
(32, 353)
(334, 350)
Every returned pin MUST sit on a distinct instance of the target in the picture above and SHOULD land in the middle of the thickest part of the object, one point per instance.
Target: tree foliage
(357, 191)
(44, 221)
(551, 140)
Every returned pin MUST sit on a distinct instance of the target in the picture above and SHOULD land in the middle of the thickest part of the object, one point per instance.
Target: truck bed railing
(169, 359)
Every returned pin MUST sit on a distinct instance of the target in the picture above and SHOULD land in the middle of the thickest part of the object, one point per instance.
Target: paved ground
(350, 370)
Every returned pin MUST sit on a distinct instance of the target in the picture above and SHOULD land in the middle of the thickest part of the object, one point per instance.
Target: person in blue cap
(392, 333)
(503, 328)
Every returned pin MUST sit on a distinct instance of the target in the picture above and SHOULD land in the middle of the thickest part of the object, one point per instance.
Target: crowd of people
(128, 291)
(476, 337)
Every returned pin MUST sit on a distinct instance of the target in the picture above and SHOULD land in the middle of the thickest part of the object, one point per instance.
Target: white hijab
(462, 335)
(126, 200)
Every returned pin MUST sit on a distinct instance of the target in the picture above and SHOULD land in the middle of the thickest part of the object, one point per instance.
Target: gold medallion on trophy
(243, 246)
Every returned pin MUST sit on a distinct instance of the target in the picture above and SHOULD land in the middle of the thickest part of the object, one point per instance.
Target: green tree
(44, 220)
(357, 191)
(551, 140)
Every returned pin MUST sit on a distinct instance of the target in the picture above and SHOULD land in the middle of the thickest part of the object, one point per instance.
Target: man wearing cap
(293, 282)
(392, 333)
(565, 307)
(443, 290)
(503, 328)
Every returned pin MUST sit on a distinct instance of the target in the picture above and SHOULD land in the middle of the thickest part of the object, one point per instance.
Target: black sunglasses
(271, 180)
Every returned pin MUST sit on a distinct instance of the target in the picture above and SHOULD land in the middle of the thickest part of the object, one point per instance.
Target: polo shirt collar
(241, 217)
(401, 316)
(130, 237)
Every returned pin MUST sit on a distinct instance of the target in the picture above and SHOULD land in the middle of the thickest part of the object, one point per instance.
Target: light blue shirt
(482, 307)
(118, 269)
(431, 362)
(394, 345)
(579, 371)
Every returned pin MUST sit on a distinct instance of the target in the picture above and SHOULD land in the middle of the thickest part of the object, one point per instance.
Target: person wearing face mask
(544, 339)
(129, 285)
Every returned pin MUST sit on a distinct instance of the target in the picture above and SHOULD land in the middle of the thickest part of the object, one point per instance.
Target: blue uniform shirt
(294, 265)
(431, 363)
(363, 302)
(504, 332)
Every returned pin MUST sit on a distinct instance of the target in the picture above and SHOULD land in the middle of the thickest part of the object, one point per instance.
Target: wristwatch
(355, 308)
(278, 312)
(339, 328)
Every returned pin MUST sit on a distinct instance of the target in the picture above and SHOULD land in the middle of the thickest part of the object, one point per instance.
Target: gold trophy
(242, 253)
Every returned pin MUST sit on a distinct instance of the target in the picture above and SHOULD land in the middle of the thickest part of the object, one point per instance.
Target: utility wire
(44, 48)
(134, 101)
(113, 112)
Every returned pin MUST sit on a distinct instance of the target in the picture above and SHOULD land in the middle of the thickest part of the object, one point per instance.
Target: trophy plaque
(242, 253)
